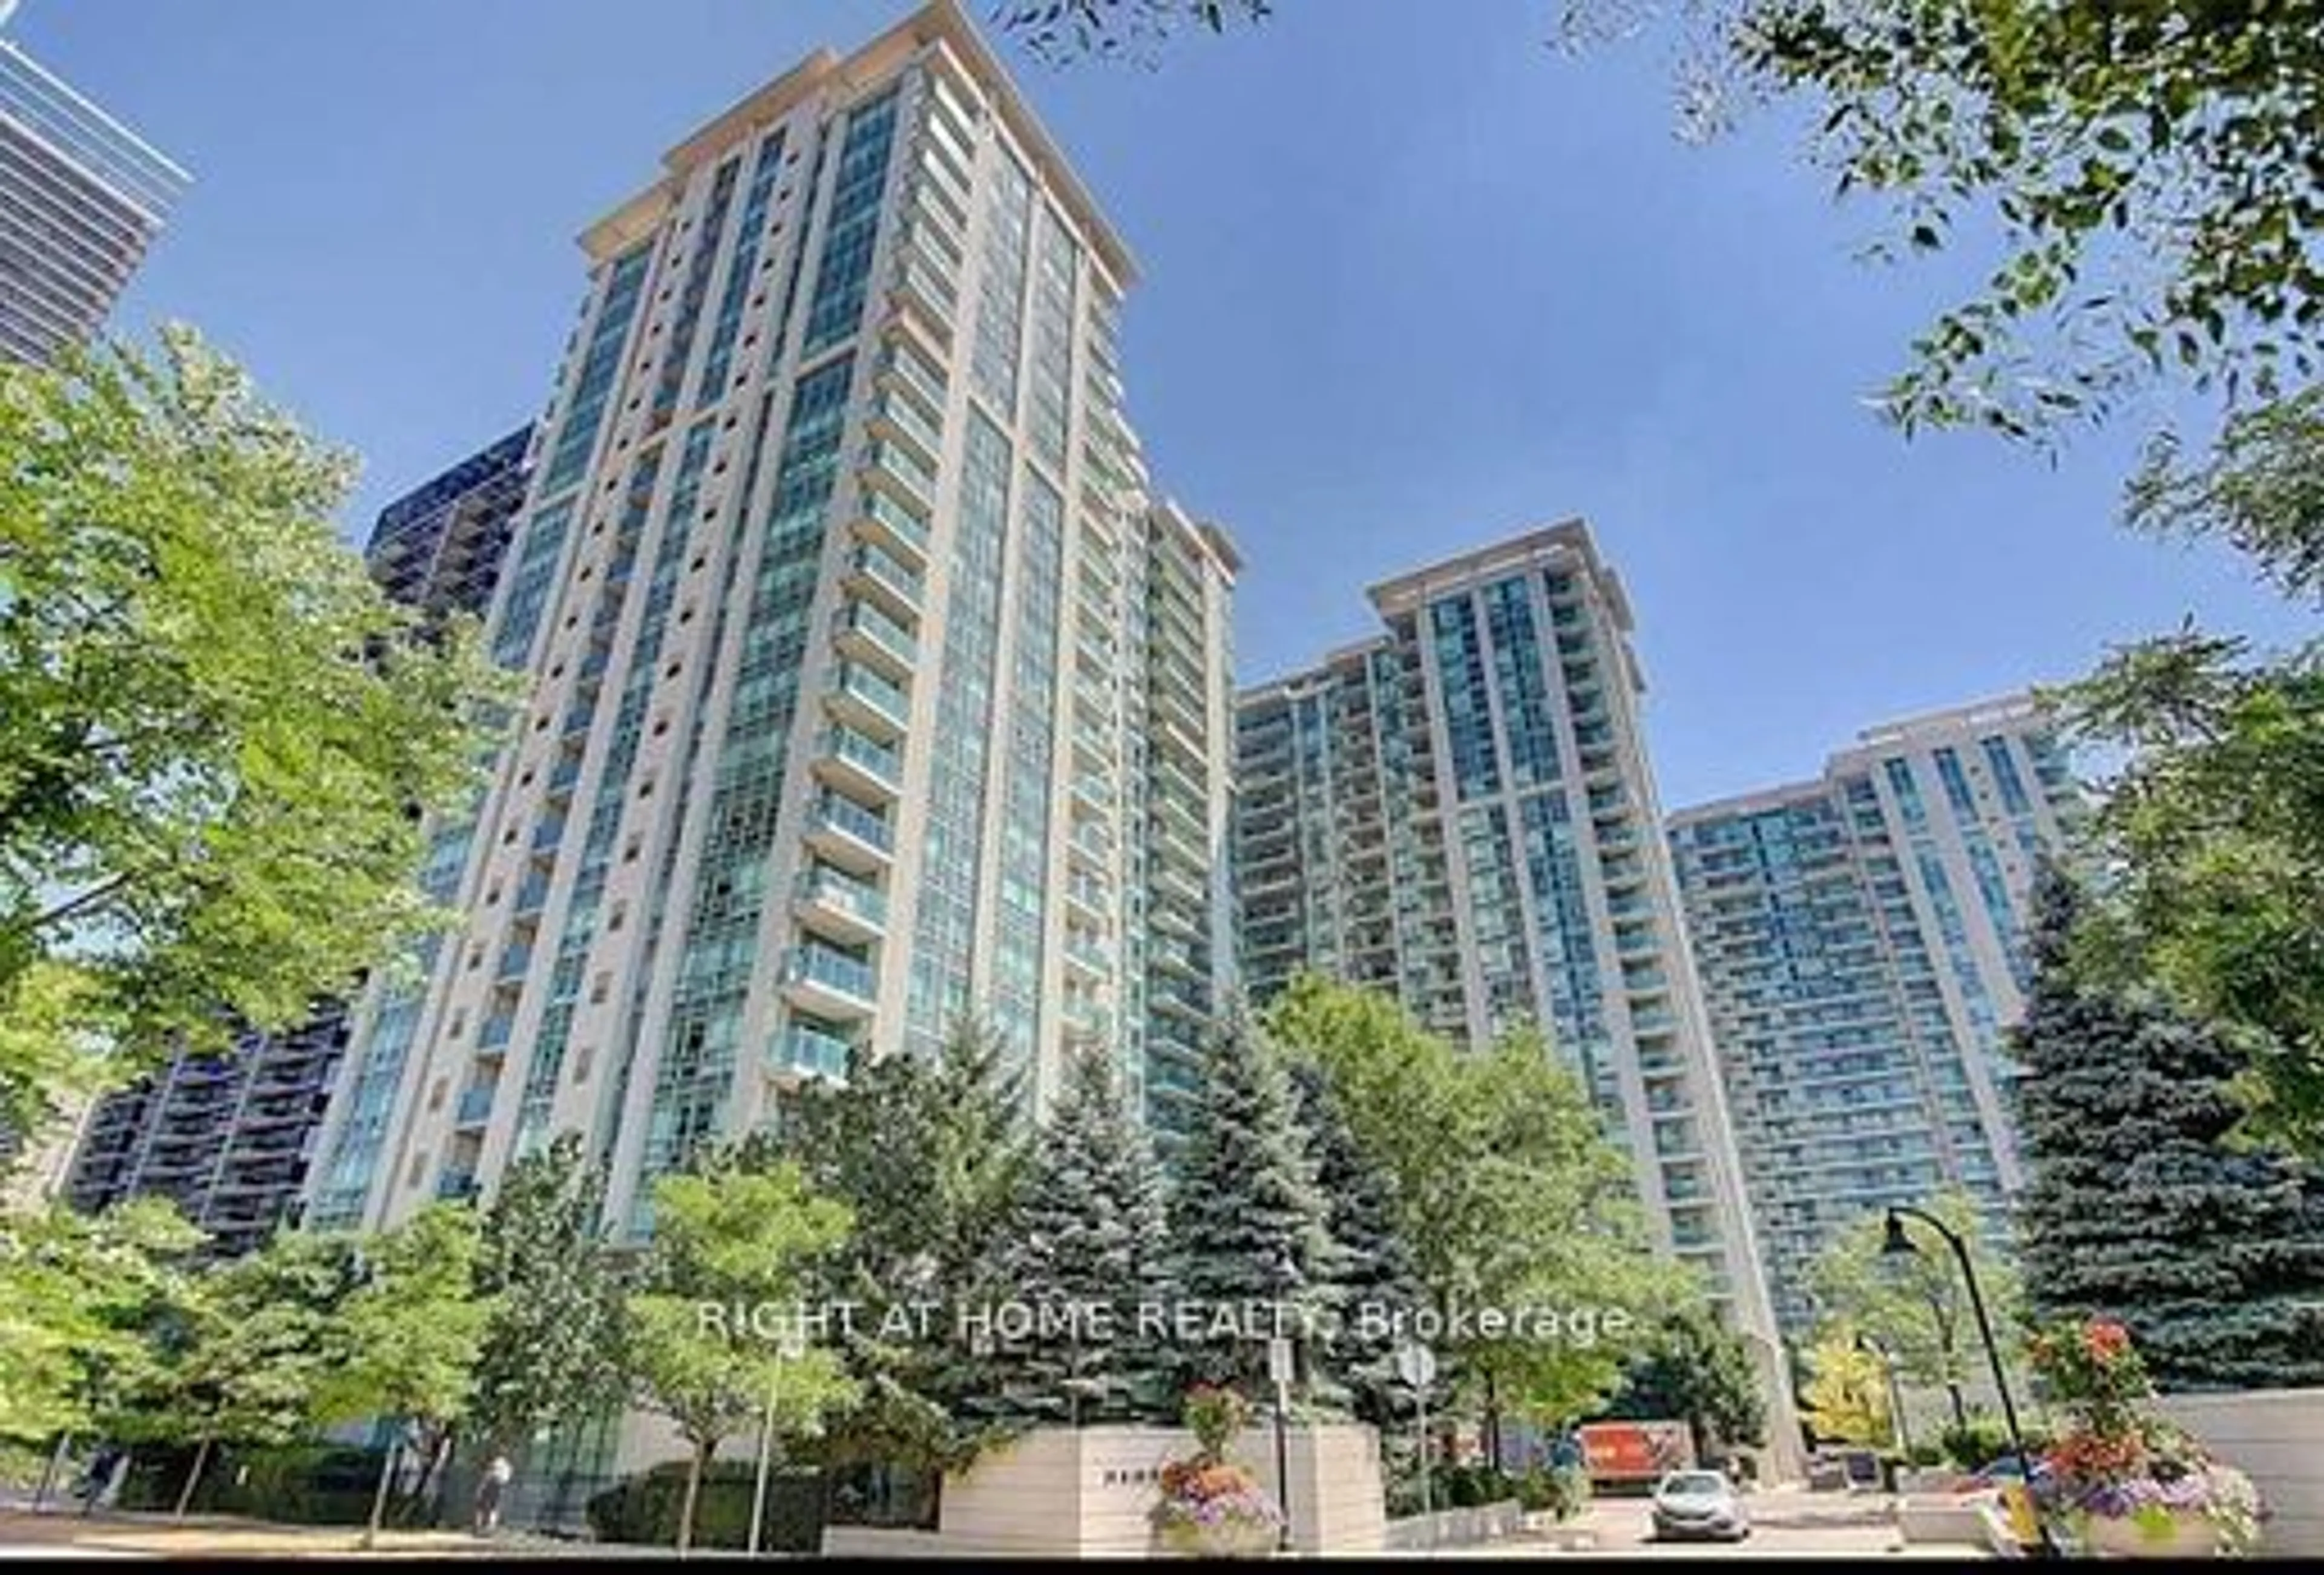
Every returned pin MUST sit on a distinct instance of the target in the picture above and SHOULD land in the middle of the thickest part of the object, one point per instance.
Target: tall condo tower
(872, 687)
(1861, 939)
(81, 199)
(228, 1139)
(1460, 811)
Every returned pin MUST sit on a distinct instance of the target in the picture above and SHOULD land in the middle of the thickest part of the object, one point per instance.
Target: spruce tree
(1086, 1240)
(1247, 1218)
(2138, 1208)
(1378, 1284)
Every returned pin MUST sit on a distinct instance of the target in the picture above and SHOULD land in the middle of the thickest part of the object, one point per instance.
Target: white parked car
(1699, 1504)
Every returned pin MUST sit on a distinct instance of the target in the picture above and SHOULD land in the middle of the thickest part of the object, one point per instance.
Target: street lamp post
(1896, 1243)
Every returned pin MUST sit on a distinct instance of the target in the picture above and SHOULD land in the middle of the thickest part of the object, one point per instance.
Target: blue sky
(1413, 280)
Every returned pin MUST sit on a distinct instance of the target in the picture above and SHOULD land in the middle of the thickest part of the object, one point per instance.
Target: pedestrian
(489, 1489)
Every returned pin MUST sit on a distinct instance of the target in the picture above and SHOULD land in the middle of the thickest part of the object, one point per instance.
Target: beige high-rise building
(872, 684)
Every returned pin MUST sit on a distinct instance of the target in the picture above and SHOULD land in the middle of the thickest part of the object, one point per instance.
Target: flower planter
(1223, 1539)
(2157, 1533)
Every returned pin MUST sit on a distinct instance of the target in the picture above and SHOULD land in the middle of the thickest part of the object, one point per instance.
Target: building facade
(1861, 940)
(1461, 810)
(847, 608)
(81, 199)
(229, 1138)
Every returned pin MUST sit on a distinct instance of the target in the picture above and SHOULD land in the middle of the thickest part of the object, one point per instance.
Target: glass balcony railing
(801, 1048)
(914, 372)
(837, 813)
(836, 970)
(833, 890)
(495, 1031)
(867, 687)
(476, 1105)
(878, 760)
(882, 631)
(903, 414)
(881, 567)
(894, 519)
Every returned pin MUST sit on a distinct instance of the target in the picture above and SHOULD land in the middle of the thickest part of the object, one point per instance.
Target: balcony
(828, 983)
(1089, 956)
(475, 1106)
(1089, 897)
(863, 699)
(849, 835)
(886, 524)
(516, 962)
(455, 1185)
(918, 285)
(857, 766)
(495, 1033)
(897, 416)
(901, 368)
(868, 635)
(873, 571)
(842, 906)
(800, 1051)
(1086, 1022)
(887, 465)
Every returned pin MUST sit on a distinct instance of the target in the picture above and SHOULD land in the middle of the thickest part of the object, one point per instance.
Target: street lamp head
(1895, 1243)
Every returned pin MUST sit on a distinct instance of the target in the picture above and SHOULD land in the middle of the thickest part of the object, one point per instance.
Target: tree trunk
(694, 1471)
(194, 1476)
(379, 1496)
(1960, 1412)
(55, 1468)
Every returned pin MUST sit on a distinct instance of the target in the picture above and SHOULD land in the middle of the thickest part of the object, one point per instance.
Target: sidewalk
(164, 1536)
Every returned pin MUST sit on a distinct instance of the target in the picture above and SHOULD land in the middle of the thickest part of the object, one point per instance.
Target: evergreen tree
(1696, 1369)
(1247, 1218)
(2138, 1208)
(929, 1154)
(1086, 1244)
(1379, 1284)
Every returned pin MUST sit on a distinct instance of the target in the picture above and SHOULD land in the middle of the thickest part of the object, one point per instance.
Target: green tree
(79, 1296)
(1917, 1305)
(1246, 1221)
(553, 1348)
(734, 1249)
(1088, 1240)
(2212, 829)
(213, 727)
(1846, 1394)
(2137, 1208)
(257, 1341)
(404, 1341)
(929, 1154)
(1507, 1190)
(1378, 1279)
(1696, 1369)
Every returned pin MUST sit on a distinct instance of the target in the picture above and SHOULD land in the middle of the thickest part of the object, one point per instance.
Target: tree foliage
(1088, 1239)
(1507, 1193)
(1695, 1368)
(733, 1248)
(1846, 1394)
(1247, 1221)
(78, 1295)
(1917, 1305)
(1059, 30)
(929, 1155)
(214, 728)
(2211, 832)
(554, 1346)
(2138, 1209)
(1376, 1279)
(2150, 170)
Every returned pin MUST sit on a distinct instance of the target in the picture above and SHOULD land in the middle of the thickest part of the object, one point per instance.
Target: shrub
(1562, 1490)
(642, 1510)
(1973, 1447)
(314, 1484)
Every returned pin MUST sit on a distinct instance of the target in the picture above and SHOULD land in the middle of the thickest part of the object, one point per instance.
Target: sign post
(1279, 1372)
(1416, 1366)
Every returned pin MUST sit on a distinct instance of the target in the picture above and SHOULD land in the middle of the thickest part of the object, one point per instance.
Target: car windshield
(1694, 1482)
